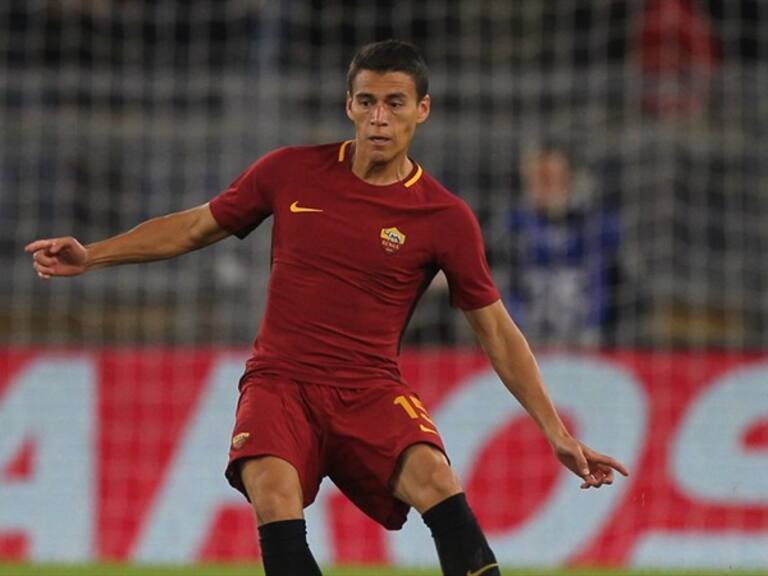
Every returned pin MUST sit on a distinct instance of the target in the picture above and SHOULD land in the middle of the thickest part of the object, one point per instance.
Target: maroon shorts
(355, 436)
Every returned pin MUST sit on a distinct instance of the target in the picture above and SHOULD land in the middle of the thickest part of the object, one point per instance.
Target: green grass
(130, 570)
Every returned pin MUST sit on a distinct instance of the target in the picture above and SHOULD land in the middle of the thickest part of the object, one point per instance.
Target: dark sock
(284, 549)
(461, 545)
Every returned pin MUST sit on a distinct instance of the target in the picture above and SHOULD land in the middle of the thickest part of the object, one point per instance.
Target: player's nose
(379, 115)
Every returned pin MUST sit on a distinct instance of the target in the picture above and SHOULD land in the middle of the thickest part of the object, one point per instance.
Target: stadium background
(115, 111)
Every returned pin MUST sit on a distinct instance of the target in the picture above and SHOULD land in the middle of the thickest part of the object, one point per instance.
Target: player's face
(385, 110)
(549, 181)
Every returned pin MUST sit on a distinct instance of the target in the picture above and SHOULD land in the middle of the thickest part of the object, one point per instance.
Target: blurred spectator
(678, 54)
(564, 255)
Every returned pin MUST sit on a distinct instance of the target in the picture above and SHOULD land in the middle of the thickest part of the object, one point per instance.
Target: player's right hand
(58, 257)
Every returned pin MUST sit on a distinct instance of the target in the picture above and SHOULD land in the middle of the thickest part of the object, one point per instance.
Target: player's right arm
(155, 239)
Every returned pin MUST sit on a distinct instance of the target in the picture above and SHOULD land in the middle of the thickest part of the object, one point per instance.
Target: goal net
(614, 155)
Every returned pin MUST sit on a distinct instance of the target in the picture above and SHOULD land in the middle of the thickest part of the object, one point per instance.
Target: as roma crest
(239, 440)
(392, 240)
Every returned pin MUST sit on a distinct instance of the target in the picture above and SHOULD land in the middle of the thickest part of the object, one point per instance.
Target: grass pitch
(221, 570)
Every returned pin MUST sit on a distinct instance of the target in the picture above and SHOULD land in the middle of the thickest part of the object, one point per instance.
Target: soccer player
(359, 231)
(564, 254)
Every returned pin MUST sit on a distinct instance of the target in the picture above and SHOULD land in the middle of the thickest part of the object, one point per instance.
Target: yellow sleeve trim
(415, 177)
(343, 150)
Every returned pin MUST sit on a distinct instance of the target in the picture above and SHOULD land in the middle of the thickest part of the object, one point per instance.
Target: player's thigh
(373, 430)
(424, 477)
(275, 458)
(273, 487)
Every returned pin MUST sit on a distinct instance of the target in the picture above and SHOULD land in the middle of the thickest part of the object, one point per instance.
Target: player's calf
(284, 549)
(428, 483)
(461, 545)
(275, 493)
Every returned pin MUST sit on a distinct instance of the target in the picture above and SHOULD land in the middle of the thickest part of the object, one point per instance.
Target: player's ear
(424, 105)
(349, 106)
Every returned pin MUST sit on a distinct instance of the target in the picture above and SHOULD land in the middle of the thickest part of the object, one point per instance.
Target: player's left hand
(594, 468)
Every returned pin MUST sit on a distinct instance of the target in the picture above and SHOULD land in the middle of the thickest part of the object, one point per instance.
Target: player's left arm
(513, 361)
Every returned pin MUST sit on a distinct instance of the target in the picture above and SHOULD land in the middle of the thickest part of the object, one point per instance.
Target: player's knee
(426, 479)
(443, 482)
(275, 505)
(438, 483)
(274, 489)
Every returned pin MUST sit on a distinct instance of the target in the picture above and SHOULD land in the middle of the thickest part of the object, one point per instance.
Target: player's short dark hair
(391, 56)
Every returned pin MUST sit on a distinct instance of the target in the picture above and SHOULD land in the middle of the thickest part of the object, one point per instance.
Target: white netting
(113, 112)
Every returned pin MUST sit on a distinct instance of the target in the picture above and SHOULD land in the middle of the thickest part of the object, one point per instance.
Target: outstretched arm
(513, 361)
(156, 239)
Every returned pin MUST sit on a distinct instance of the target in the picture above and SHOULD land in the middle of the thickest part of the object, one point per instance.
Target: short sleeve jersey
(349, 261)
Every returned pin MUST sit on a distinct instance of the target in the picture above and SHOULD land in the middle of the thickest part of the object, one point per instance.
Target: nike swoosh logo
(295, 208)
(482, 570)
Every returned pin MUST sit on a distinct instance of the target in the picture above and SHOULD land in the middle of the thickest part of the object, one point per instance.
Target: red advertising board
(124, 450)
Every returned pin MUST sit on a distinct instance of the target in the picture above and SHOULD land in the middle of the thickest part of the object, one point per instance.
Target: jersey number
(415, 410)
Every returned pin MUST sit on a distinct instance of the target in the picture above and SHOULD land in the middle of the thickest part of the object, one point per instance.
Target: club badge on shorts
(392, 239)
(239, 440)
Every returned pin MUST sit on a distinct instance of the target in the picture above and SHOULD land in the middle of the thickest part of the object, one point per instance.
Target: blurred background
(113, 112)
(613, 150)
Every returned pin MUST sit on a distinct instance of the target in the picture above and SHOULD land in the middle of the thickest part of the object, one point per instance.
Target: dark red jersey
(349, 261)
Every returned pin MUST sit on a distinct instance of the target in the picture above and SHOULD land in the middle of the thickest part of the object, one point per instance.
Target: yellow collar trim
(343, 150)
(415, 177)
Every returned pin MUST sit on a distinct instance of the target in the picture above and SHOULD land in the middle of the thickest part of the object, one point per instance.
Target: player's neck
(380, 173)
